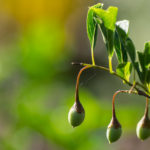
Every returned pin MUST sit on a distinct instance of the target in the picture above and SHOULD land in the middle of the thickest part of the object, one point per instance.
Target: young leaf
(142, 61)
(147, 63)
(108, 37)
(124, 52)
(91, 24)
(147, 54)
(124, 70)
(92, 28)
(108, 16)
(107, 20)
(123, 28)
(121, 34)
(129, 46)
(148, 77)
(140, 74)
(118, 48)
(144, 67)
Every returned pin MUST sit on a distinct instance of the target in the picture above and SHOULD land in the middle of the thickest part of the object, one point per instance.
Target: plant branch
(139, 92)
(77, 83)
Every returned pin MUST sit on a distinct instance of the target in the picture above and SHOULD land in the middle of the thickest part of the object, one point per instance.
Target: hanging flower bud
(114, 130)
(143, 127)
(76, 114)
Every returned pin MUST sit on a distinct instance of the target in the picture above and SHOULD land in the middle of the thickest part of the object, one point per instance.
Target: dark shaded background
(38, 41)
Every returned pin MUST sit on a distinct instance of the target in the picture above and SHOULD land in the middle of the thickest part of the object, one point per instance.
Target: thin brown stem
(114, 96)
(113, 104)
(113, 100)
(139, 92)
(77, 83)
(146, 107)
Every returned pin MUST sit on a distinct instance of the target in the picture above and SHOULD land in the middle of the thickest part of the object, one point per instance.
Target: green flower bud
(114, 131)
(143, 128)
(76, 114)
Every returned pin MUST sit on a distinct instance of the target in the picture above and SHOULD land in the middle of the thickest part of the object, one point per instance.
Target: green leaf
(124, 70)
(145, 63)
(91, 24)
(108, 16)
(106, 20)
(142, 61)
(119, 44)
(124, 53)
(140, 74)
(92, 28)
(108, 37)
(147, 54)
(118, 48)
(129, 46)
(123, 28)
(121, 34)
(148, 77)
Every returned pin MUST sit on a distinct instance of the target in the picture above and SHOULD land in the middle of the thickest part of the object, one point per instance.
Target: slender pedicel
(114, 130)
(77, 114)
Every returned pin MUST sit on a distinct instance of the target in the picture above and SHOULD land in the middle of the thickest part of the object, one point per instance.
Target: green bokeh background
(38, 41)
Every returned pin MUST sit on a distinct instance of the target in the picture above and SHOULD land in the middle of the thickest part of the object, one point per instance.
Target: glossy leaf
(121, 34)
(108, 37)
(130, 49)
(124, 53)
(106, 20)
(147, 54)
(108, 16)
(123, 28)
(139, 72)
(142, 61)
(124, 70)
(118, 48)
(91, 24)
(147, 63)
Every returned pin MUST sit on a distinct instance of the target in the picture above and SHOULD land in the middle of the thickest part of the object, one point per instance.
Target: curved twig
(139, 92)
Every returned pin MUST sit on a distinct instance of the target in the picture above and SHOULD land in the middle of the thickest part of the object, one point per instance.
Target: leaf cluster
(116, 38)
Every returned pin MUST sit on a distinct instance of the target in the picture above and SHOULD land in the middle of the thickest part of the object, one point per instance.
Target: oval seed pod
(76, 114)
(143, 127)
(114, 130)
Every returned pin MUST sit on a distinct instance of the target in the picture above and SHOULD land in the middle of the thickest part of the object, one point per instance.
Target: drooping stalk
(113, 104)
(146, 107)
(76, 114)
(79, 107)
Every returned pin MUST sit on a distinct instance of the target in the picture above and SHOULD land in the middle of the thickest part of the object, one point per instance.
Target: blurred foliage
(41, 47)
(37, 84)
